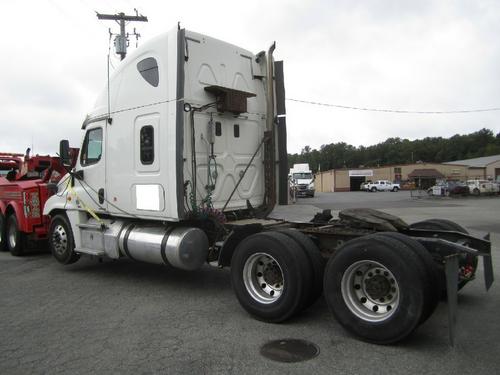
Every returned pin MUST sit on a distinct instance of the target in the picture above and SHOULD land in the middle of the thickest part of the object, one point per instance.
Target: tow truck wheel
(270, 276)
(61, 242)
(316, 263)
(3, 246)
(374, 288)
(373, 189)
(468, 264)
(432, 280)
(15, 238)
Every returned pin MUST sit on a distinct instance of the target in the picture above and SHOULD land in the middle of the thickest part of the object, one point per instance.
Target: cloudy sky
(410, 55)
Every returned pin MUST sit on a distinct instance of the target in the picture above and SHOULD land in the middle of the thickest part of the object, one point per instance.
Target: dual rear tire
(275, 275)
(378, 288)
(468, 264)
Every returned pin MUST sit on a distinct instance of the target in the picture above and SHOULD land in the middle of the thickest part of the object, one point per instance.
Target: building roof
(425, 173)
(476, 162)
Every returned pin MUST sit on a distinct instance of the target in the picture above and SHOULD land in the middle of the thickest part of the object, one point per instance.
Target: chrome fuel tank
(181, 247)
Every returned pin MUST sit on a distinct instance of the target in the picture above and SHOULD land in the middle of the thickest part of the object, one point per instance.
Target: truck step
(84, 250)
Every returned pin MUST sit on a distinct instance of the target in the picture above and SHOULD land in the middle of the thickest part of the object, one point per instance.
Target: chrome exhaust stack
(270, 88)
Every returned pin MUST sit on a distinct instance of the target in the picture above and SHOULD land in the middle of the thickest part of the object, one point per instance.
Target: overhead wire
(403, 111)
(90, 118)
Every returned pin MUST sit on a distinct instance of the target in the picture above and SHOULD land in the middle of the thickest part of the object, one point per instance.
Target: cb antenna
(121, 39)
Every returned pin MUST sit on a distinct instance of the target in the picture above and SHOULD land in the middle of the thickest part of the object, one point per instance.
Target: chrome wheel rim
(12, 236)
(263, 278)
(59, 240)
(370, 291)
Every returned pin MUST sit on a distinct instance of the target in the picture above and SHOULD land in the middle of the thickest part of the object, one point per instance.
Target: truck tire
(395, 189)
(433, 284)
(316, 263)
(373, 189)
(3, 233)
(61, 242)
(270, 276)
(15, 238)
(476, 192)
(439, 224)
(444, 224)
(375, 288)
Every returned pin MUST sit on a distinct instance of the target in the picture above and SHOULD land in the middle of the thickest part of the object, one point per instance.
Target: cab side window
(92, 147)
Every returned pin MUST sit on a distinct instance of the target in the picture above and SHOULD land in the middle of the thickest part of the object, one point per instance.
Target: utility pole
(121, 39)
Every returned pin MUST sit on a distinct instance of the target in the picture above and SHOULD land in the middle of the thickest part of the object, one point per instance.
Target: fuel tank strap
(164, 245)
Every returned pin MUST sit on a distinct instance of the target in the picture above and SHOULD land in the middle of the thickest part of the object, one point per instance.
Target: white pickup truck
(478, 187)
(381, 185)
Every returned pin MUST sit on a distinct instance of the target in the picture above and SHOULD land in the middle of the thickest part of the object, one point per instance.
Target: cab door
(91, 169)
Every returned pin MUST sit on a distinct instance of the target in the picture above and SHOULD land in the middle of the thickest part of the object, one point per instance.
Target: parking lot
(125, 317)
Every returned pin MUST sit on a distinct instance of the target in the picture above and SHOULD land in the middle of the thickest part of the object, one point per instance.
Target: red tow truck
(26, 182)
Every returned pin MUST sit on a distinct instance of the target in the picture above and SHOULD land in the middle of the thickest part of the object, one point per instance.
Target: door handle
(100, 194)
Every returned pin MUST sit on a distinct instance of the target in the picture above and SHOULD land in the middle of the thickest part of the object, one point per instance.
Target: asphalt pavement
(126, 317)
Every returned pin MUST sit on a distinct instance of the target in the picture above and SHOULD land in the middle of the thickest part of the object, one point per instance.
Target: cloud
(421, 55)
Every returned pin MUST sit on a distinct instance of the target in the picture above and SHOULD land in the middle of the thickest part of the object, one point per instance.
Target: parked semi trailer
(26, 182)
(183, 158)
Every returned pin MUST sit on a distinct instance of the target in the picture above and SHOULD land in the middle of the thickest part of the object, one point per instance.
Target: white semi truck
(182, 159)
(302, 180)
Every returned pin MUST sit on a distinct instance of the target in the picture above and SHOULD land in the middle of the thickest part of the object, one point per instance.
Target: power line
(394, 110)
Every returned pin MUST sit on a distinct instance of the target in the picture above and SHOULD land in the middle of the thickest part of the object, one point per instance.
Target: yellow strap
(86, 208)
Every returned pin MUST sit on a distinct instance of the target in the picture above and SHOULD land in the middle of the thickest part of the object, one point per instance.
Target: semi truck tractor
(183, 158)
(302, 180)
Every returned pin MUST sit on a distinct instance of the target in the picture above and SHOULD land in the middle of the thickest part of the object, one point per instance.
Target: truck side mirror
(64, 152)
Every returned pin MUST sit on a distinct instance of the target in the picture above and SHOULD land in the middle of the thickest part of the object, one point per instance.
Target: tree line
(400, 151)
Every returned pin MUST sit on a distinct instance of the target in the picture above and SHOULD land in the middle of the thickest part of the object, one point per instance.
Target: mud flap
(488, 271)
(488, 267)
(451, 271)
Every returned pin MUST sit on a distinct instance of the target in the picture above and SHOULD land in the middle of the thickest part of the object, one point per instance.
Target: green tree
(400, 151)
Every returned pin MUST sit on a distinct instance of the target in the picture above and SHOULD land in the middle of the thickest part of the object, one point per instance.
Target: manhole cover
(289, 350)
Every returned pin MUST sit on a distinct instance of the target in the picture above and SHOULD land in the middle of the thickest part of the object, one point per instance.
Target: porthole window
(149, 71)
(147, 145)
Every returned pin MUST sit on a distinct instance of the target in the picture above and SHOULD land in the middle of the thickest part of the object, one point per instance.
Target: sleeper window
(147, 145)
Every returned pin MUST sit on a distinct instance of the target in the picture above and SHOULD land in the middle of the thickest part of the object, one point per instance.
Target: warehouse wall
(493, 170)
(339, 179)
(325, 181)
